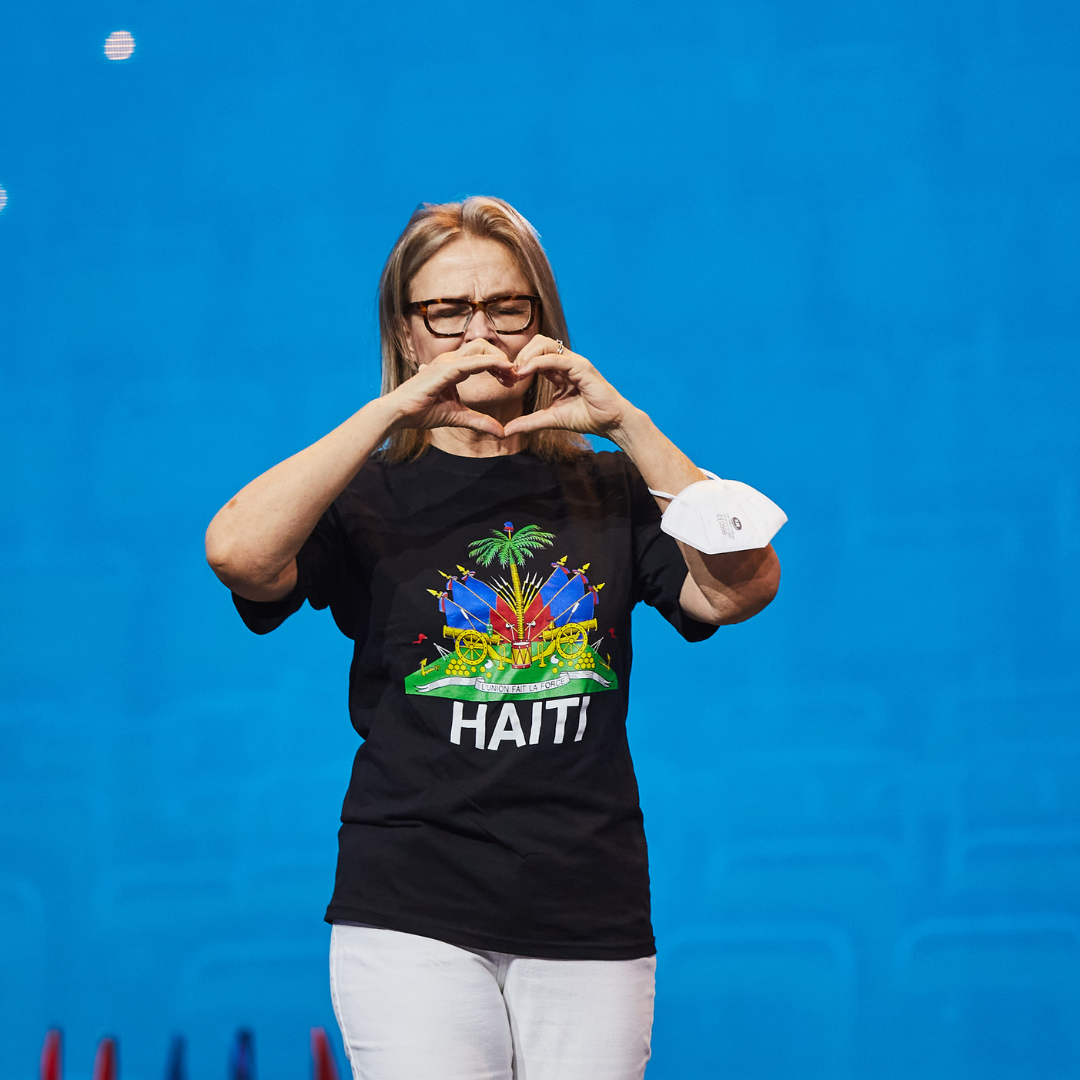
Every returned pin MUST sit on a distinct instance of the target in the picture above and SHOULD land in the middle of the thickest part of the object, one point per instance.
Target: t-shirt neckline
(472, 465)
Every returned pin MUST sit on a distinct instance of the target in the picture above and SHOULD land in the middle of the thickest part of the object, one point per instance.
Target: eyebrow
(466, 300)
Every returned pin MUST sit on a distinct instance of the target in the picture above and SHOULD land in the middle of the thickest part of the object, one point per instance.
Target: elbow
(767, 591)
(765, 586)
(752, 602)
(229, 561)
(758, 593)
(221, 556)
(238, 569)
(770, 579)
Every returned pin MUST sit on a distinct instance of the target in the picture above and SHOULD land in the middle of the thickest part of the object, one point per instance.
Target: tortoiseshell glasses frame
(503, 322)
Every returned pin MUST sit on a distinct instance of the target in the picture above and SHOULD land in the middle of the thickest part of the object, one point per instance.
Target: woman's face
(472, 269)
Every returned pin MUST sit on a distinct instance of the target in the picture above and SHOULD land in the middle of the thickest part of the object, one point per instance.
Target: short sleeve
(326, 576)
(659, 568)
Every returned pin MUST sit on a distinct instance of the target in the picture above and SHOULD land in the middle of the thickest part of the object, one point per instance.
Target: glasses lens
(448, 318)
(507, 316)
(510, 316)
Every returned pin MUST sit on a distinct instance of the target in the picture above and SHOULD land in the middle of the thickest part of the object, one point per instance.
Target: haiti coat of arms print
(519, 634)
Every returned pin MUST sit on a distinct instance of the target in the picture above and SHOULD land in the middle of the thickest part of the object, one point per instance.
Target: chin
(483, 390)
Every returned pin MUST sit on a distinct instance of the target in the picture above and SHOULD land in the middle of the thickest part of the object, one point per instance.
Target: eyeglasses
(451, 318)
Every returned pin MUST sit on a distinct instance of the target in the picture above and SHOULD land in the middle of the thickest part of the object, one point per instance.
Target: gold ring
(560, 344)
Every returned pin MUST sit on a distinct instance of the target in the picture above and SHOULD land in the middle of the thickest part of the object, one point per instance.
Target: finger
(461, 367)
(568, 362)
(472, 357)
(489, 356)
(539, 344)
(477, 346)
(477, 351)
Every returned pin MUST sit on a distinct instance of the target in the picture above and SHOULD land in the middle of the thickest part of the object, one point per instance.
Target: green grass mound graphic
(451, 676)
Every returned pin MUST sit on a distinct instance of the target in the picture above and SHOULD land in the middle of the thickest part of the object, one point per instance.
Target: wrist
(386, 413)
(634, 425)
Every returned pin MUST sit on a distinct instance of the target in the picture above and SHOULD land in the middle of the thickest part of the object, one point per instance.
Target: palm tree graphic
(512, 548)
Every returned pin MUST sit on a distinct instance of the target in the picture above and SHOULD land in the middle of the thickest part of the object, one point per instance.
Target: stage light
(3, 198)
(119, 45)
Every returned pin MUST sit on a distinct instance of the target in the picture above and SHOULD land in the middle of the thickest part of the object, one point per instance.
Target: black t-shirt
(493, 802)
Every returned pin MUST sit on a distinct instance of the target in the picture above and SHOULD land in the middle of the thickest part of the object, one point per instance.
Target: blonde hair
(429, 230)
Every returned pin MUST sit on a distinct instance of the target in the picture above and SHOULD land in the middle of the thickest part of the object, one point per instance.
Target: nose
(480, 328)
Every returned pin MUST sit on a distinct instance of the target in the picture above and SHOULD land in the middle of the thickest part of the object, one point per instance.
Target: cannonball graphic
(119, 45)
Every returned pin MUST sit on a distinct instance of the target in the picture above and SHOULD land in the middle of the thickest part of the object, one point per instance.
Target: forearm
(725, 588)
(663, 465)
(728, 588)
(254, 538)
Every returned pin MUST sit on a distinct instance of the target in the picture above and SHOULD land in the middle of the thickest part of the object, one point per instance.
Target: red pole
(105, 1060)
(323, 1066)
(51, 1059)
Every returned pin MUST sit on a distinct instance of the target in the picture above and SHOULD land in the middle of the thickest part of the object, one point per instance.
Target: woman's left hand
(718, 588)
(584, 400)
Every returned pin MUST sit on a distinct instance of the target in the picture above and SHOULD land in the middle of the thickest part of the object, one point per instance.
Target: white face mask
(717, 515)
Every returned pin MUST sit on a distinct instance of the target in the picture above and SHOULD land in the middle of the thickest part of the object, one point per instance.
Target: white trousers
(413, 1008)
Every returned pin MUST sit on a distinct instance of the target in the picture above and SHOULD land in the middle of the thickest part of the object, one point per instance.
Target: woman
(491, 908)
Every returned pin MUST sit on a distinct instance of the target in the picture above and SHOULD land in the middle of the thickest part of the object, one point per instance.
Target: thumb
(477, 421)
(534, 421)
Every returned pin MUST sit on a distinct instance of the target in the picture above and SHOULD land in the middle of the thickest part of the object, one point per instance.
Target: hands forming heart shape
(584, 400)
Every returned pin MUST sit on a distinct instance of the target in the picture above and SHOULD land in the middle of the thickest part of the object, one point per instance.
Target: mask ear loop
(666, 495)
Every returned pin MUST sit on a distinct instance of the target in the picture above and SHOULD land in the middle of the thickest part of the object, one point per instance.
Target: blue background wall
(832, 246)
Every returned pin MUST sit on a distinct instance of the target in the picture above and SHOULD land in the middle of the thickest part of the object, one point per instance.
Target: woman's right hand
(430, 399)
(253, 540)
